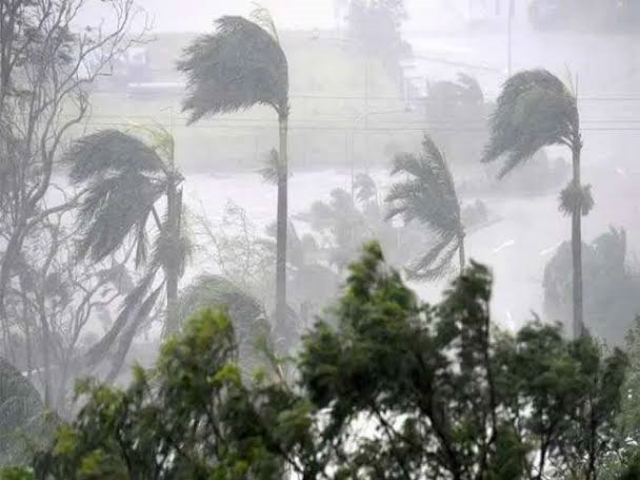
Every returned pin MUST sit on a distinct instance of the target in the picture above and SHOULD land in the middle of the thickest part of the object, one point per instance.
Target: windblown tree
(123, 180)
(443, 394)
(611, 287)
(49, 58)
(251, 327)
(237, 67)
(428, 196)
(536, 109)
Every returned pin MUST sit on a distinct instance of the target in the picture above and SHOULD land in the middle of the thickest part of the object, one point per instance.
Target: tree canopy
(388, 387)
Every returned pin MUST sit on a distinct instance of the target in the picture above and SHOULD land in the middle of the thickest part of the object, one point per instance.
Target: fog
(360, 95)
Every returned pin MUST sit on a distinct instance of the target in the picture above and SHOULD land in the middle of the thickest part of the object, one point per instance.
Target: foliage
(534, 109)
(343, 223)
(456, 115)
(123, 179)
(428, 196)
(23, 423)
(16, 473)
(377, 26)
(188, 418)
(250, 324)
(611, 288)
(239, 66)
(440, 392)
(48, 65)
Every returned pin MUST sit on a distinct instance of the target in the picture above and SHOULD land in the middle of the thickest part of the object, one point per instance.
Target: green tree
(429, 196)
(534, 110)
(250, 325)
(123, 180)
(389, 387)
(239, 66)
(191, 417)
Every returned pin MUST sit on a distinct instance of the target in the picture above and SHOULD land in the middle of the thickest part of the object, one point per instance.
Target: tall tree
(47, 64)
(536, 109)
(429, 196)
(123, 180)
(241, 65)
(389, 388)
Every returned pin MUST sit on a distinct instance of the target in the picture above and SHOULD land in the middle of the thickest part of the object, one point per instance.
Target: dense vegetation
(443, 394)
(292, 359)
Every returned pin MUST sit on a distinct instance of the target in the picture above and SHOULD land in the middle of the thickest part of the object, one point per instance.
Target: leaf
(428, 195)
(237, 67)
(534, 109)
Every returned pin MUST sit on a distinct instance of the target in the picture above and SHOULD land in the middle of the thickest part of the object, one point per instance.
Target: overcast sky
(198, 15)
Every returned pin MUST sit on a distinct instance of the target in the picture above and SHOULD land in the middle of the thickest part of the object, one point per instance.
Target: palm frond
(113, 208)
(365, 187)
(109, 151)
(574, 199)
(160, 140)
(237, 67)
(535, 109)
(262, 17)
(437, 262)
(428, 193)
(123, 178)
(271, 171)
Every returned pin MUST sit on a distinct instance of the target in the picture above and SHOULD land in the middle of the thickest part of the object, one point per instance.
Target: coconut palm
(123, 180)
(429, 196)
(536, 109)
(241, 65)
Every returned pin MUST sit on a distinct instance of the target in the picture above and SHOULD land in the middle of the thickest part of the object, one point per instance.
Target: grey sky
(190, 15)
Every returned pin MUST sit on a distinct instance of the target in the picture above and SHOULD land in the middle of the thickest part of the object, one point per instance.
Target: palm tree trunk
(172, 265)
(461, 254)
(576, 246)
(281, 256)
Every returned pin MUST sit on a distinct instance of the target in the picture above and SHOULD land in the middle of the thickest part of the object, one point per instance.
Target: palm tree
(235, 68)
(429, 196)
(534, 110)
(123, 181)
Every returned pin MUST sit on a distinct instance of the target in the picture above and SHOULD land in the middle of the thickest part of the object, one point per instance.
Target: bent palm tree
(535, 109)
(237, 67)
(123, 180)
(429, 196)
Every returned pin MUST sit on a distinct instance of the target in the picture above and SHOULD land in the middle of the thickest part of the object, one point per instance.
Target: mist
(162, 158)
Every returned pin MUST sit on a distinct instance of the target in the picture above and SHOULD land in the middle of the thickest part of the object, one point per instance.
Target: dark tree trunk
(281, 256)
(576, 245)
